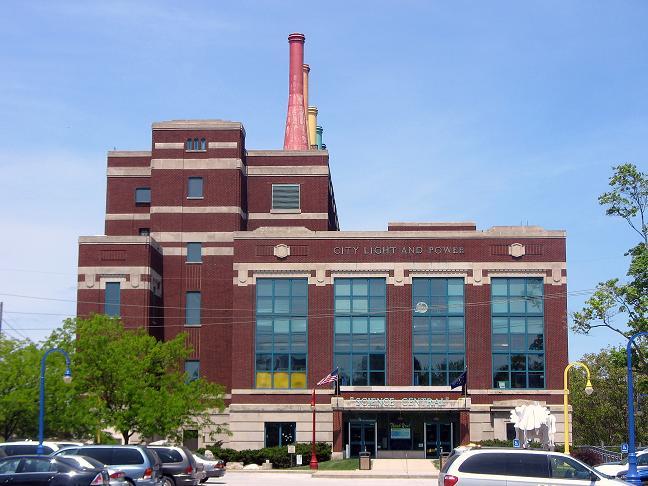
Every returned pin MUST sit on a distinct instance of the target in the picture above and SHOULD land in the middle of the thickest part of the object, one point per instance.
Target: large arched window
(203, 144)
(188, 144)
(196, 145)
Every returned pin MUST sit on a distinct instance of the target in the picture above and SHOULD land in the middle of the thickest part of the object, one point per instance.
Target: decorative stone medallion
(517, 250)
(282, 251)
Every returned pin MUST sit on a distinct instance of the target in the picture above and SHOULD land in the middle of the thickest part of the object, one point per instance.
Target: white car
(612, 469)
(23, 447)
(518, 467)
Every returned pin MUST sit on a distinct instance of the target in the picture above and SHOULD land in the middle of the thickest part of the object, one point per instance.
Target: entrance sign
(400, 433)
(401, 403)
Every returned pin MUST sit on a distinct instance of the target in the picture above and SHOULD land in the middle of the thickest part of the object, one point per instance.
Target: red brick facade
(242, 238)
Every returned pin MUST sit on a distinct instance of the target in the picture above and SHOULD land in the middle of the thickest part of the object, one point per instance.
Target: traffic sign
(516, 443)
(624, 448)
(291, 449)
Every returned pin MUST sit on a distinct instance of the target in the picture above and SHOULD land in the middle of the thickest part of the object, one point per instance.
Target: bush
(278, 456)
(588, 456)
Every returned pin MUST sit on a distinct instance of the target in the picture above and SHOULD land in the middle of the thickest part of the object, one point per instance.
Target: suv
(24, 447)
(141, 466)
(614, 468)
(178, 466)
(518, 467)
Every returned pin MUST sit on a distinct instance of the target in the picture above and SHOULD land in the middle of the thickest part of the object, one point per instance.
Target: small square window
(285, 196)
(194, 252)
(145, 232)
(195, 187)
(143, 195)
(192, 368)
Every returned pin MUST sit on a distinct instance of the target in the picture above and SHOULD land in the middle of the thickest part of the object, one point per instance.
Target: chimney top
(296, 37)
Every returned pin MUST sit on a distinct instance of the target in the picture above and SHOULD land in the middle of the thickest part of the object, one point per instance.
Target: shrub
(278, 456)
(588, 456)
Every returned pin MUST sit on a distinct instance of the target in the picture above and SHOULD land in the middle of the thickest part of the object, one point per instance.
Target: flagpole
(313, 461)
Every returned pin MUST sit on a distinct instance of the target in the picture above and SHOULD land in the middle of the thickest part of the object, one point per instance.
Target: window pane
(192, 368)
(377, 287)
(360, 306)
(342, 287)
(264, 287)
(456, 362)
(299, 305)
(194, 252)
(517, 305)
(282, 326)
(193, 308)
(281, 305)
(377, 362)
(420, 287)
(500, 305)
(438, 362)
(285, 196)
(195, 187)
(143, 195)
(298, 325)
(359, 325)
(456, 287)
(342, 305)
(264, 362)
(112, 297)
(342, 325)
(298, 362)
(360, 287)
(499, 287)
(300, 287)
(377, 325)
(264, 305)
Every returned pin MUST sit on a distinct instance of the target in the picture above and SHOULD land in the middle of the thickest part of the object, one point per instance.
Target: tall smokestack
(306, 69)
(312, 124)
(296, 134)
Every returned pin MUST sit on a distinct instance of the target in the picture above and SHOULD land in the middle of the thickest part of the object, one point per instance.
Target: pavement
(264, 478)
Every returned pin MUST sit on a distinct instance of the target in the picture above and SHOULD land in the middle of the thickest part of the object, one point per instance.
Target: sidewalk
(388, 468)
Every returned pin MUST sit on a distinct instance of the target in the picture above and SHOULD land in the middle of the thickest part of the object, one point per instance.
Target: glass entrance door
(438, 438)
(362, 437)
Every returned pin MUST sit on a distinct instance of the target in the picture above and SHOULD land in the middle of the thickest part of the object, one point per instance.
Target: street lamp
(67, 378)
(313, 461)
(588, 389)
(632, 476)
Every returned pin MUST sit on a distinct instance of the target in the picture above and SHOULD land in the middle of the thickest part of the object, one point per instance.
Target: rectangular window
(360, 330)
(285, 196)
(438, 337)
(281, 332)
(517, 320)
(192, 369)
(279, 434)
(144, 232)
(194, 252)
(112, 300)
(192, 309)
(195, 187)
(143, 195)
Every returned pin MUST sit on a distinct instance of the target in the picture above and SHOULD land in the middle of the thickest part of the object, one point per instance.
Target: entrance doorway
(362, 437)
(438, 438)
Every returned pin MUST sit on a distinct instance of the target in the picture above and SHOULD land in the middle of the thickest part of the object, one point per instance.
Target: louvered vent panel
(285, 196)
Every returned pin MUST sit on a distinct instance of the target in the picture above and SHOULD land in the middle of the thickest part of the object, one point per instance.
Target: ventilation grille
(285, 196)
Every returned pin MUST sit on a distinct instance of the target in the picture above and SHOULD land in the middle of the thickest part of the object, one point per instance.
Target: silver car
(518, 467)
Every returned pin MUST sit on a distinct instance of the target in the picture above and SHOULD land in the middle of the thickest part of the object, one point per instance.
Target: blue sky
(500, 112)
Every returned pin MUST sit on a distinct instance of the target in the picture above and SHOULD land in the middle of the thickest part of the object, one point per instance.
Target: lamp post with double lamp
(67, 378)
(313, 461)
(632, 476)
(588, 389)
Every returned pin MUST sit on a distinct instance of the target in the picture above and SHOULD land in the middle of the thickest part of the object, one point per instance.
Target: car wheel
(167, 481)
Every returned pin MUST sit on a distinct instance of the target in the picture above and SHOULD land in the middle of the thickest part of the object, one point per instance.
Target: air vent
(285, 196)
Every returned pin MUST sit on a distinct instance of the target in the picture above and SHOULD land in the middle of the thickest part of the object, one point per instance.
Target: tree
(18, 388)
(136, 383)
(628, 200)
(600, 418)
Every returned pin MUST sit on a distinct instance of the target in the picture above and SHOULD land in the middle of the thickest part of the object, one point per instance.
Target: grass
(341, 465)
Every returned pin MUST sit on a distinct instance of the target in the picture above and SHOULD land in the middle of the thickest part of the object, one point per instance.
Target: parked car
(642, 471)
(141, 466)
(26, 447)
(32, 470)
(179, 466)
(518, 467)
(614, 468)
(213, 468)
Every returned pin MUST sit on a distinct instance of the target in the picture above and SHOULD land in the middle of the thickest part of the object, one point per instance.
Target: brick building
(241, 249)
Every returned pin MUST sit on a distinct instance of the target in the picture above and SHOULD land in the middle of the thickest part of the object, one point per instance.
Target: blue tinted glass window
(360, 329)
(517, 320)
(281, 332)
(143, 195)
(188, 144)
(192, 369)
(195, 187)
(194, 252)
(192, 311)
(112, 299)
(203, 144)
(438, 337)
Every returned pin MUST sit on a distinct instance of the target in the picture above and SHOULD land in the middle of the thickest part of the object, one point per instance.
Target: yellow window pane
(263, 380)
(281, 380)
(298, 380)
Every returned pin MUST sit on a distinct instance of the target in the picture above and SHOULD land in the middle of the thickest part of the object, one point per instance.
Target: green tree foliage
(136, 383)
(627, 199)
(601, 418)
(18, 388)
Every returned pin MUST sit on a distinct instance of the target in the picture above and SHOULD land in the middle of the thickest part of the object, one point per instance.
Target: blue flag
(460, 380)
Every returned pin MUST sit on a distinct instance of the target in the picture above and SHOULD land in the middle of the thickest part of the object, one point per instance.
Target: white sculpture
(534, 422)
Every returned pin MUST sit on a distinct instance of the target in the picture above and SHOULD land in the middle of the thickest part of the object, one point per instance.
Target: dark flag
(461, 381)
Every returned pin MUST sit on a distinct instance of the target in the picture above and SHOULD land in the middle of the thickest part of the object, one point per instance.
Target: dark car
(179, 466)
(47, 470)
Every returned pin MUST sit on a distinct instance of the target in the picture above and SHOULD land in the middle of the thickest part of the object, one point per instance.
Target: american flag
(330, 378)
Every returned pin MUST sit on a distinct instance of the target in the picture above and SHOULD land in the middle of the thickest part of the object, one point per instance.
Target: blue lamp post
(633, 476)
(67, 378)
